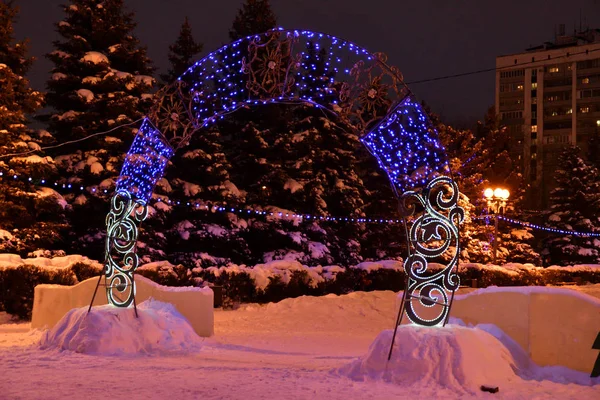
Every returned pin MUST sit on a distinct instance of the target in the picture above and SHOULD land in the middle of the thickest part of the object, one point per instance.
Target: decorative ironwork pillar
(143, 167)
(432, 217)
(408, 149)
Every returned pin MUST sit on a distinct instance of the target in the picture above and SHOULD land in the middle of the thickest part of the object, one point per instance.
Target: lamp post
(496, 202)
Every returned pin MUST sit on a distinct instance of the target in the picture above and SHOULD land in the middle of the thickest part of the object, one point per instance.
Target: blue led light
(218, 83)
(145, 162)
(407, 147)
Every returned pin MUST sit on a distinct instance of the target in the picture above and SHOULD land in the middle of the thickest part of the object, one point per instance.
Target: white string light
(54, 146)
(201, 206)
(538, 227)
(548, 229)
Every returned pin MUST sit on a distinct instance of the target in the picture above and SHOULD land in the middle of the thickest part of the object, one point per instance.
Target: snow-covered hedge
(277, 280)
(19, 277)
(272, 281)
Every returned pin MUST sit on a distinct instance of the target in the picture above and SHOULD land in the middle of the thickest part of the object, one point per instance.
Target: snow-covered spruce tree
(593, 153)
(31, 217)
(574, 205)
(199, 178)
(462, 148)
(303, 163)
(504, 169)
(255, 16)
(479, 160)
(182, 53)
(100, 80)
(379, 241)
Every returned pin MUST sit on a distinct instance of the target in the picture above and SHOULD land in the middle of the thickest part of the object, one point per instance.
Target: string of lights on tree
(202, 206)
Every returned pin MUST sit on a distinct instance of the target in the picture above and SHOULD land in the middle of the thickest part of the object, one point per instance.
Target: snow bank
(8, 261)
(263, 273)
(370, 266)
(52, 302)
(109, 330)
(283, 269)
(528, 290)
(455, 357)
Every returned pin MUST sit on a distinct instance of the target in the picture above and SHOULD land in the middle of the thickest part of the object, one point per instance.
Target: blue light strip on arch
(275, 67)
(145, 162)
(407, 147)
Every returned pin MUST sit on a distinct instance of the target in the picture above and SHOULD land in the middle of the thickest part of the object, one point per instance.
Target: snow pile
(283, 269)
(86, 95)
(262, 274)
(9, 261)
(455, 357)
(370, 266)
(95, 57)
(107, 330)
(530, 290)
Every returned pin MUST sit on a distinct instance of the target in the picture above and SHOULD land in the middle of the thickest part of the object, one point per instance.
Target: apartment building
(548, 97)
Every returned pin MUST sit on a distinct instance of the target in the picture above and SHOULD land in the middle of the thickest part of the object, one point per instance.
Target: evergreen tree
(200, 177)
(255, 16)
(279, 159)
(31, 217)
(100, 81)
(182, 53)
(593, 153)
(479, 160)
(575, 205)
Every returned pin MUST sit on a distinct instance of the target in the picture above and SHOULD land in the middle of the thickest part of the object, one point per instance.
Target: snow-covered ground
(303, 348)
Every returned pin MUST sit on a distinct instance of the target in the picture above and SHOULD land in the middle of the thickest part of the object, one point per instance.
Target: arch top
(296, 66)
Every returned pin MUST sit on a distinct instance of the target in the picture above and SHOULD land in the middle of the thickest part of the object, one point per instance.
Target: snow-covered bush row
(19, 277)
(272, 281)
(276, 280)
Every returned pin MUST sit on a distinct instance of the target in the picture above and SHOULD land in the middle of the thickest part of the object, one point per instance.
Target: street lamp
(496, 202)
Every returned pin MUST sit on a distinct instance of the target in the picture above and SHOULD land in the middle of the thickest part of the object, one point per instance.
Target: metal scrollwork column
(144, 165)
(431, 234)
(121, 261)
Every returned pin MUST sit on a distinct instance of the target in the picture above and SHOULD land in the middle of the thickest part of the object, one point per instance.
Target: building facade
(548, 97)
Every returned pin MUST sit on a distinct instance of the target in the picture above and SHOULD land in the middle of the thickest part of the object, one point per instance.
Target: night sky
(424, 38)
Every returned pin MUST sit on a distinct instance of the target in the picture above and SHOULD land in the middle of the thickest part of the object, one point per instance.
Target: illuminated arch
(291, 66)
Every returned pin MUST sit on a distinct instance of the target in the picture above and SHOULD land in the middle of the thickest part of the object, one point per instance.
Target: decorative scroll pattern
(282, 66)
(432, 233)
(171, 113)
(271, 65)
(121, 260)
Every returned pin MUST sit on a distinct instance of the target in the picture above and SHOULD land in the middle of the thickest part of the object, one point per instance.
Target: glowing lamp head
(505, 194)
(488, 193)
(498, 193)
